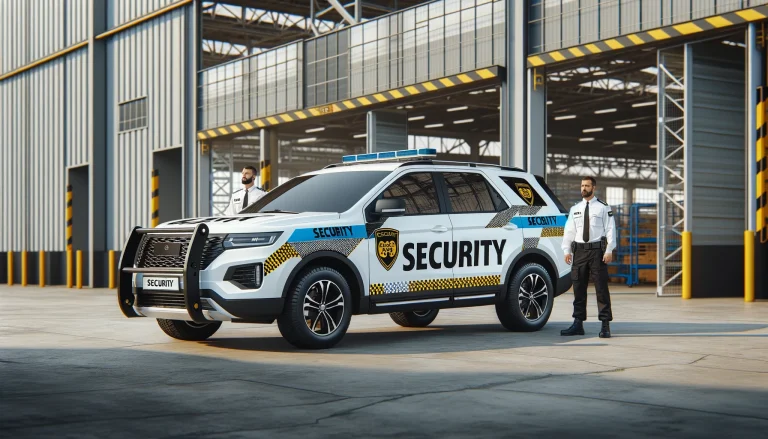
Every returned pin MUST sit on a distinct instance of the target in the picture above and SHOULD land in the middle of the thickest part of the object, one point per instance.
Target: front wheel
(414, 319)
(318, 310)
(188, 331)
(529, 300)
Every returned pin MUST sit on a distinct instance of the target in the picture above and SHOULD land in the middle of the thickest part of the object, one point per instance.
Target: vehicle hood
(257, 222)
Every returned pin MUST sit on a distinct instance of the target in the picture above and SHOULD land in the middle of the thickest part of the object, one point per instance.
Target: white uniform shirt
(236, 203)
(601, 224)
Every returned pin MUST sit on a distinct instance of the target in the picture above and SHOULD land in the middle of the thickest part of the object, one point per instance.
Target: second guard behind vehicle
(246, 196)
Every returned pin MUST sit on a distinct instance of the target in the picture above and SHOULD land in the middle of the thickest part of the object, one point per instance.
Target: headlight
(242, 240)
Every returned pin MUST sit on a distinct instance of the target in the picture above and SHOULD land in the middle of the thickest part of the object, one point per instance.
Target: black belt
(588, 245)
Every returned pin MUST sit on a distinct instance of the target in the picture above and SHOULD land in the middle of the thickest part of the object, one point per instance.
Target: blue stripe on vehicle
(323, 233)
(539, 221)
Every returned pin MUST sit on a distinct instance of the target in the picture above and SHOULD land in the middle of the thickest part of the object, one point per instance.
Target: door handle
(510, 226)
(439, 229)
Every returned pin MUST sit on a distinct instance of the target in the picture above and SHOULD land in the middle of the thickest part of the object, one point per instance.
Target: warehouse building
(116, 114)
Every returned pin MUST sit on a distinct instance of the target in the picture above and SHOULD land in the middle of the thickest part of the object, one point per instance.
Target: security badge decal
(526, 192)
(387, 244)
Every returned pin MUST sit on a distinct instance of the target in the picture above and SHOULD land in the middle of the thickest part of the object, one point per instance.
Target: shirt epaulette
(601, 201)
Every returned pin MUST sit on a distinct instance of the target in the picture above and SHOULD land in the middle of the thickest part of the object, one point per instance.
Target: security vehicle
(394, 232)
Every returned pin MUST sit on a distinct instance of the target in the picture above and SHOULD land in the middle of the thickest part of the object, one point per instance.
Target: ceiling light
(457, 109)
(644, 104)
(434, 125)
(549, 102)
(549, 135)
(315, 130)
(476, 92)
(570, 116)
(592, 130)
(307, 139)
(464, 121)
(628, 125)
(620, 142)
(586, 139)
(491, 90)
(599, 73)
(416, 118)
(654, 146)
(359, 136)
(607, 110)
(410, 107)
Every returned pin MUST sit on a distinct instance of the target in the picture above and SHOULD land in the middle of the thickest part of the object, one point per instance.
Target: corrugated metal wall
(122, 11)
(76, 103)
(717, 144)
(45, 188)
(144, 62)
(33, 29)
(43, 130)
(557, 24)
(13, 138)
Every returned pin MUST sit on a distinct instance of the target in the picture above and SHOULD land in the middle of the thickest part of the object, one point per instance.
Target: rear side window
(524, 190)
(470, 192)
(419, 192)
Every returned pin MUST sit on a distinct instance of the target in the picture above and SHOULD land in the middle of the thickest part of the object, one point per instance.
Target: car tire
(414, 319)
(306, 321)
(529, 299)
(188, 331)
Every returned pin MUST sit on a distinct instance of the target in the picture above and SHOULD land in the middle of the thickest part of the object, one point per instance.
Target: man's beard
(585, 194)
(247, 181)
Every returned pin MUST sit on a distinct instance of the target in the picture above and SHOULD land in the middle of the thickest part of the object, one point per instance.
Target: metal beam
(343, 12)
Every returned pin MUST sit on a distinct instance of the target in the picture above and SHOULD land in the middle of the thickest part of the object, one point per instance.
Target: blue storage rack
(631, 225)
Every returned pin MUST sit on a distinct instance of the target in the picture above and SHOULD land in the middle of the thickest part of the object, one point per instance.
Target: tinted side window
(419, 192)
(469, 192)
(524, 190)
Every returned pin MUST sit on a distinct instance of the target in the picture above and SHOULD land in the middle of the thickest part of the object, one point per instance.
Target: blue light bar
(389, 155)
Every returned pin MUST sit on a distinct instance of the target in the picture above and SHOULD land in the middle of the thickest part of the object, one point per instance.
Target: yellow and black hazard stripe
(552, 232)
(353, 103)
(761, 183)
(69, 217)
(660, 34)
(155, 202)
(265, 174)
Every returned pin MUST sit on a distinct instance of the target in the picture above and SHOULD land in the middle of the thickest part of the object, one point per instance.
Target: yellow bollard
(10, 268)
(687, 247)
(749, 266)
(23, 268)
(112, 269)
(79, 278)
(69, 268)
(155, 200)
(41, 268)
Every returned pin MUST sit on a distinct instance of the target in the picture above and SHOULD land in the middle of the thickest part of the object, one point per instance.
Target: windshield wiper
(278, 211)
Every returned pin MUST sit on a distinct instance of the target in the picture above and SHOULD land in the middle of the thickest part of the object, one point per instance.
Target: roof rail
(468, 164)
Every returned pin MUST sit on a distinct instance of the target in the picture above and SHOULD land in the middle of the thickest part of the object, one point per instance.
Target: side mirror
(390, 207)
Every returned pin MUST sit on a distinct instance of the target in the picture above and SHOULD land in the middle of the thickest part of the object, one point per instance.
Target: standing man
(588, 243)
(247, 195)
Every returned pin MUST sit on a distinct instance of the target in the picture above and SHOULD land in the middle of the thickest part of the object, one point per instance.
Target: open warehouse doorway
(664, 130)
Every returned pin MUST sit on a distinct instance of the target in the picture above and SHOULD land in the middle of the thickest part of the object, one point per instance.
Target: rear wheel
(414, 319)
(188, 331)
(318, 310)
(529, 300)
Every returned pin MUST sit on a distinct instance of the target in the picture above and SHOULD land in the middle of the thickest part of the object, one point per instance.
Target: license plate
(161, 283)
(167, 249)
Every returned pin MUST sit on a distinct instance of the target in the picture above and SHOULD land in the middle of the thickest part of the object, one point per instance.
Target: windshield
(334, 192)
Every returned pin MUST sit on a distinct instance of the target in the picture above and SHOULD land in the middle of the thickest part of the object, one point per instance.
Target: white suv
(390, 232)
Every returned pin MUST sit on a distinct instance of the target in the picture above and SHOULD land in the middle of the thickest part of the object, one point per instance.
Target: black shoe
(605, 332)
(577, 328)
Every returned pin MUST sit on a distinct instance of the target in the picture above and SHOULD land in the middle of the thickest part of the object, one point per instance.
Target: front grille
(161, 299)
(148, 259)
(247, 276)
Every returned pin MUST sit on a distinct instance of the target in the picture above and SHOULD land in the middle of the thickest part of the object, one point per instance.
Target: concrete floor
(72, 366)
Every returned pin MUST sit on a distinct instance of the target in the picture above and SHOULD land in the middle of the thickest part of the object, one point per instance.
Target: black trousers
(588, 263)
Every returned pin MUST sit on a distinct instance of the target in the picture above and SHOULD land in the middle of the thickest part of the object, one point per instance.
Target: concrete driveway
(72, 366)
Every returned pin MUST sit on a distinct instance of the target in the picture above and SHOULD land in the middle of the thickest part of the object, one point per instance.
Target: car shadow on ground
(443, 338)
